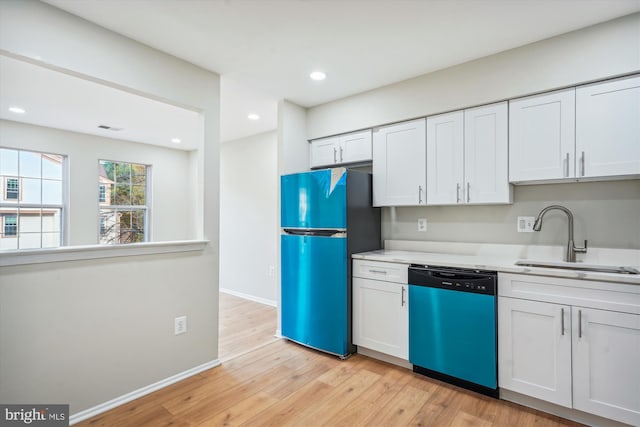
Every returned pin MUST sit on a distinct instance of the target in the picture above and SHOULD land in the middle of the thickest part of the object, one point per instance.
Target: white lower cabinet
(606, 359)
(535, 349)
(571, 342)
(381, 308)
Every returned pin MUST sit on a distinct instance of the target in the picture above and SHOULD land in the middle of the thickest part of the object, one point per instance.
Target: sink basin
(579, 267)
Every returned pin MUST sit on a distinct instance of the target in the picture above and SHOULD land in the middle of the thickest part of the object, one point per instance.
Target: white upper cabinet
(608, 128)
(486, 163)
(467, 156)
(337, 150)
(399, 164)
(542, 137)
(445, 153)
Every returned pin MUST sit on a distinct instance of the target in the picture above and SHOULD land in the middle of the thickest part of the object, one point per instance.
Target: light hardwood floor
(244, 325)
(285, 384)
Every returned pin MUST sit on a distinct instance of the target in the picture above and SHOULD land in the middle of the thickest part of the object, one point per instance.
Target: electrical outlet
(422, 224)
(272, 270)
(180, 325)
(525, 224)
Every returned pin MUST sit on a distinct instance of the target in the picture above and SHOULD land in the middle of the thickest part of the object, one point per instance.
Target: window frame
(4, 226)
(102, 193)
(146, 208)
(18, 204)
(5, 188)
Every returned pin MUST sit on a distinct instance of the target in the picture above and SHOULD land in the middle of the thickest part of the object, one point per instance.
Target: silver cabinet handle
(468, 191)
(566, 165)
(341, 154)
(458, 192)
(582, 164)
(377, 271)
(334, 155)
(562, 321)
(402, 300)
(419, 194)
(579, 323)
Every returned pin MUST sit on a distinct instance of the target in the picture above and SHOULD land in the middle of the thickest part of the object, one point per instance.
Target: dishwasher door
(452, 334)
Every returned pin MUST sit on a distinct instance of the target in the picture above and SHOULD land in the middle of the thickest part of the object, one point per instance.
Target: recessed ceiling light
(17, 110)
(318, 75)
(176, 140)
(253, 116)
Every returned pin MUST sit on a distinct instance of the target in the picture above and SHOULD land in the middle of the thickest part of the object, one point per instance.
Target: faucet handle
(582, 250)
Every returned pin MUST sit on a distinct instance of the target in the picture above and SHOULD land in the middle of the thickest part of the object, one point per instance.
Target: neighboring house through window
(32, 202)
(123, 215)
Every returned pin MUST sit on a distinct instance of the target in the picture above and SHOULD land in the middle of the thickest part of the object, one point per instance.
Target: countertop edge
(479, 262)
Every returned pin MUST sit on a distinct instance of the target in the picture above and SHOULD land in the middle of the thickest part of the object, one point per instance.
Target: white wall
(171, 214)
(600, 51)
(85, 332)
(248, 214)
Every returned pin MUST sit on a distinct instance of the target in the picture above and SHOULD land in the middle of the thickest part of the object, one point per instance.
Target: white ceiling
(58, 100)
(265, 50)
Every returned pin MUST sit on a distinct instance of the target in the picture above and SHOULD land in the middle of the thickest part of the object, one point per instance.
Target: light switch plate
(422, 224)
(180, 325)
(525, 224)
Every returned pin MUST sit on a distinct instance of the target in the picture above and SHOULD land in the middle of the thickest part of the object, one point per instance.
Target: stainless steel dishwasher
(452, 326)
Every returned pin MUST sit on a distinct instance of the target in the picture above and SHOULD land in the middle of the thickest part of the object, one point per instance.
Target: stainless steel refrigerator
(326, 216)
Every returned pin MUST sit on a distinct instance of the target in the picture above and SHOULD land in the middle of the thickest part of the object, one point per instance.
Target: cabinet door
(606, 364)
(324, 152)
(542, 136)
(445, 158)
(355, 147)
(486, 163)
(381, 317)
(399, 164)
(534, 349)
(608, 128)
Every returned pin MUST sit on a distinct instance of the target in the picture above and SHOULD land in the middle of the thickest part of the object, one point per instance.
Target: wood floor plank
(321, 409)
(464, 419)
(404, 406)
(241, 411)
(287, 409)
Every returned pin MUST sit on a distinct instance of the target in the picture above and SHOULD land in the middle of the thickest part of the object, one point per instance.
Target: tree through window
(123, 202)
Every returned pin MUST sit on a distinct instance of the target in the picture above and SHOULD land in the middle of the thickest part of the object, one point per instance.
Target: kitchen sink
(579, 267)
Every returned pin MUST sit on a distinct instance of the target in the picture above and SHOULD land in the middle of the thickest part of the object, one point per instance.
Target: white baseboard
(278, 333)
(265, 301)
(121, 400)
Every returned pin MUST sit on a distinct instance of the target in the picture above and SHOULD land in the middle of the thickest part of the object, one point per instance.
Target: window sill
(75, 253)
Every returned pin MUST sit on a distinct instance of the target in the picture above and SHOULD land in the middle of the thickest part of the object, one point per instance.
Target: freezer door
(314, 292)
(314, 199)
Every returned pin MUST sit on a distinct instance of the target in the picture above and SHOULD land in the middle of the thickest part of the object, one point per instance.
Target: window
(10, 225)
(102, 194)
(123, 213)
(32, 202)
(12, 189)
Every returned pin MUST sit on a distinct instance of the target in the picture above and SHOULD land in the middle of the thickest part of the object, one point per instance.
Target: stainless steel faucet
(571, 247)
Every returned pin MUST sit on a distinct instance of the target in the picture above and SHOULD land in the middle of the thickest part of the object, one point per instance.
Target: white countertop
(496, 262)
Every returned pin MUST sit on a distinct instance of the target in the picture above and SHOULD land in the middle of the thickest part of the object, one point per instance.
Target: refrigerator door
(314, 199)
(314, 292)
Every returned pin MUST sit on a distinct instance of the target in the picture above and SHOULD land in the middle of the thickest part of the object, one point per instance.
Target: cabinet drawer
(377, 270)
(584, 293)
